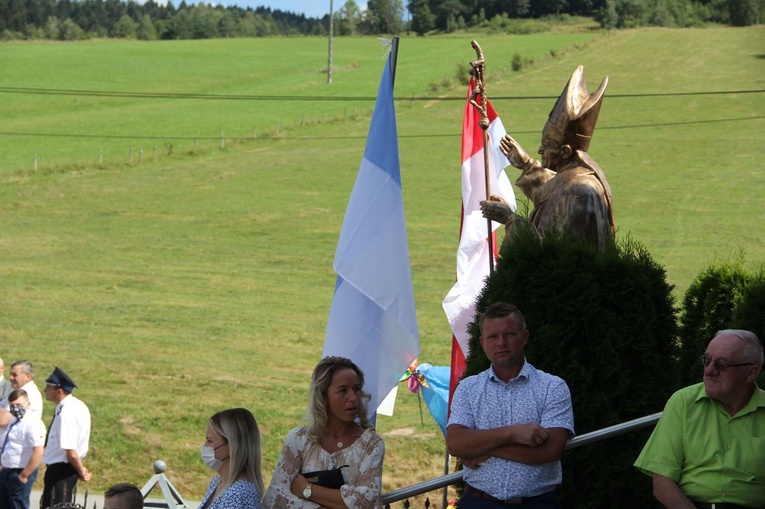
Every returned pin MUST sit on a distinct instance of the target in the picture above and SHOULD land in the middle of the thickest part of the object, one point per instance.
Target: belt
(510, 501)
(719, 505)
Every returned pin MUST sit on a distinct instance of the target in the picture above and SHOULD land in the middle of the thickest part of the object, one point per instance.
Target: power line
(349, 137)
(686, 122)
(243, 97)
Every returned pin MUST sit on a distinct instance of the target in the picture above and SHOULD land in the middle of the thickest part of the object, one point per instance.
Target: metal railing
(455, 477)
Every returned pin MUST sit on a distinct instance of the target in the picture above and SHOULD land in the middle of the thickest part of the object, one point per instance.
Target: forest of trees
(449, 15)
(73, 20)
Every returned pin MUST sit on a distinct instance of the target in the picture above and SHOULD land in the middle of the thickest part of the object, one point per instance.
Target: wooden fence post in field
(193, 145)
(36, 163)
(130, 158)
(221, 140)
(302, 120)
(316, 119)
(154, 154)
(254, 134)
(100, 157)
(140, 156)
(277, 126)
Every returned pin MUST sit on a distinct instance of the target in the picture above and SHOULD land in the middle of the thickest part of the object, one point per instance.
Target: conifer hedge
(605, 323)
(724, 295)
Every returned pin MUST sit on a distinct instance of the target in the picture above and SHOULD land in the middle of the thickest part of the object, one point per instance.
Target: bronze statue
(569, 191)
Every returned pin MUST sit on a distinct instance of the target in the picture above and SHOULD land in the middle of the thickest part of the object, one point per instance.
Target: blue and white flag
(373, 320)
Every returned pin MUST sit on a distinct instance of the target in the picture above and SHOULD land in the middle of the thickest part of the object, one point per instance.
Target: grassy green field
(251, 67)
(173, 288)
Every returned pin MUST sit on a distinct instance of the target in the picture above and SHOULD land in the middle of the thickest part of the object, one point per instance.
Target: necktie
(55, 413)
(8, 435)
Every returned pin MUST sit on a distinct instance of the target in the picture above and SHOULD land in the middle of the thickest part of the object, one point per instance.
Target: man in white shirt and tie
(67, 442)
(22, 453)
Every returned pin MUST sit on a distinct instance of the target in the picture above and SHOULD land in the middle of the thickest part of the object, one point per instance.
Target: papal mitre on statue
(572, 119)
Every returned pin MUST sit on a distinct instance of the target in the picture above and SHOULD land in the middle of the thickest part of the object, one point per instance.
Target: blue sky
(311, 8)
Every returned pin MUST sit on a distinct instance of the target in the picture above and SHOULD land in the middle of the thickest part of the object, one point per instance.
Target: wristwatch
(307, 491)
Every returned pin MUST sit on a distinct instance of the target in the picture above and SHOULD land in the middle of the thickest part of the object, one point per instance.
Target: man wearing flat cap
(67, 441)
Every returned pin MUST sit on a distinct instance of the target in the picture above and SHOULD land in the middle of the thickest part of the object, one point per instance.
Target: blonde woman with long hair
(232, 449)
(337, 440)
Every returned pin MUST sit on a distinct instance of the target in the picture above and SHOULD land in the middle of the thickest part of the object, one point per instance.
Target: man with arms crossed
(708, 448)
(509, 424)
(67, 441)
(21, 453)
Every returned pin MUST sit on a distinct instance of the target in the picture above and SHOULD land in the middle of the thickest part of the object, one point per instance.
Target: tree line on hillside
(74, 20)
(503, 15)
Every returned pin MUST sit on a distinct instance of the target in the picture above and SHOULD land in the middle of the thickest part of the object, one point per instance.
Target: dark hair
(132, 494)
(16, 394)
(501, 310)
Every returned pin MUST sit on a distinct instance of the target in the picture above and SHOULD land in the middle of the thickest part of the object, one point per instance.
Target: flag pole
(479, 91)
(373, 319)
(393, 60)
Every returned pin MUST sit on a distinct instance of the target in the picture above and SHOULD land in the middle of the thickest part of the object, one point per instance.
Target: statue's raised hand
(513, 151)
(497, 209)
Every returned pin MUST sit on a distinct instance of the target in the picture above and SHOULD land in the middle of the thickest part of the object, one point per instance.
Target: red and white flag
(473, 251)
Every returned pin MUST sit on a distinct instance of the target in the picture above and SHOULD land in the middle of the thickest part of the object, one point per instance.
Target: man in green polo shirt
(708, 448)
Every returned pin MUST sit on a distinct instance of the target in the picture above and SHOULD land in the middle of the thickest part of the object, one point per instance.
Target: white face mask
(209, 459)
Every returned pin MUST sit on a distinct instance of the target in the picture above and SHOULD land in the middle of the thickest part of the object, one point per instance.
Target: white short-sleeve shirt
(70, 429)
(23, 436)
(34, 396)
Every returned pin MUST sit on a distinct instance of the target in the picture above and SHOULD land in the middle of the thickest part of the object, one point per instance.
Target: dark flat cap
(60, 379)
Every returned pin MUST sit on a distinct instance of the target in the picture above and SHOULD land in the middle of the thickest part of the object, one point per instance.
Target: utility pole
(329, 59)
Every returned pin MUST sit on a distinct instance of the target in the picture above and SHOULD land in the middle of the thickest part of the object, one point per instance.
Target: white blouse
(363, 477)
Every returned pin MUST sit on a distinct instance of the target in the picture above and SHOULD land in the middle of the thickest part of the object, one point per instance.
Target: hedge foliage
(725, 295)
(605, 323)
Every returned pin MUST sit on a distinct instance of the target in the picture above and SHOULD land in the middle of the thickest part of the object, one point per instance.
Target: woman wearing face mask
(337, 440)
(232, 448)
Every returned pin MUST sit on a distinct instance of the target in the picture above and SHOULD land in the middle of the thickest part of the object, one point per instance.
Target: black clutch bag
(328, 478)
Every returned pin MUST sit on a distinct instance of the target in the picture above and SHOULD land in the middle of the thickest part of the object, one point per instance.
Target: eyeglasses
(706, 360)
